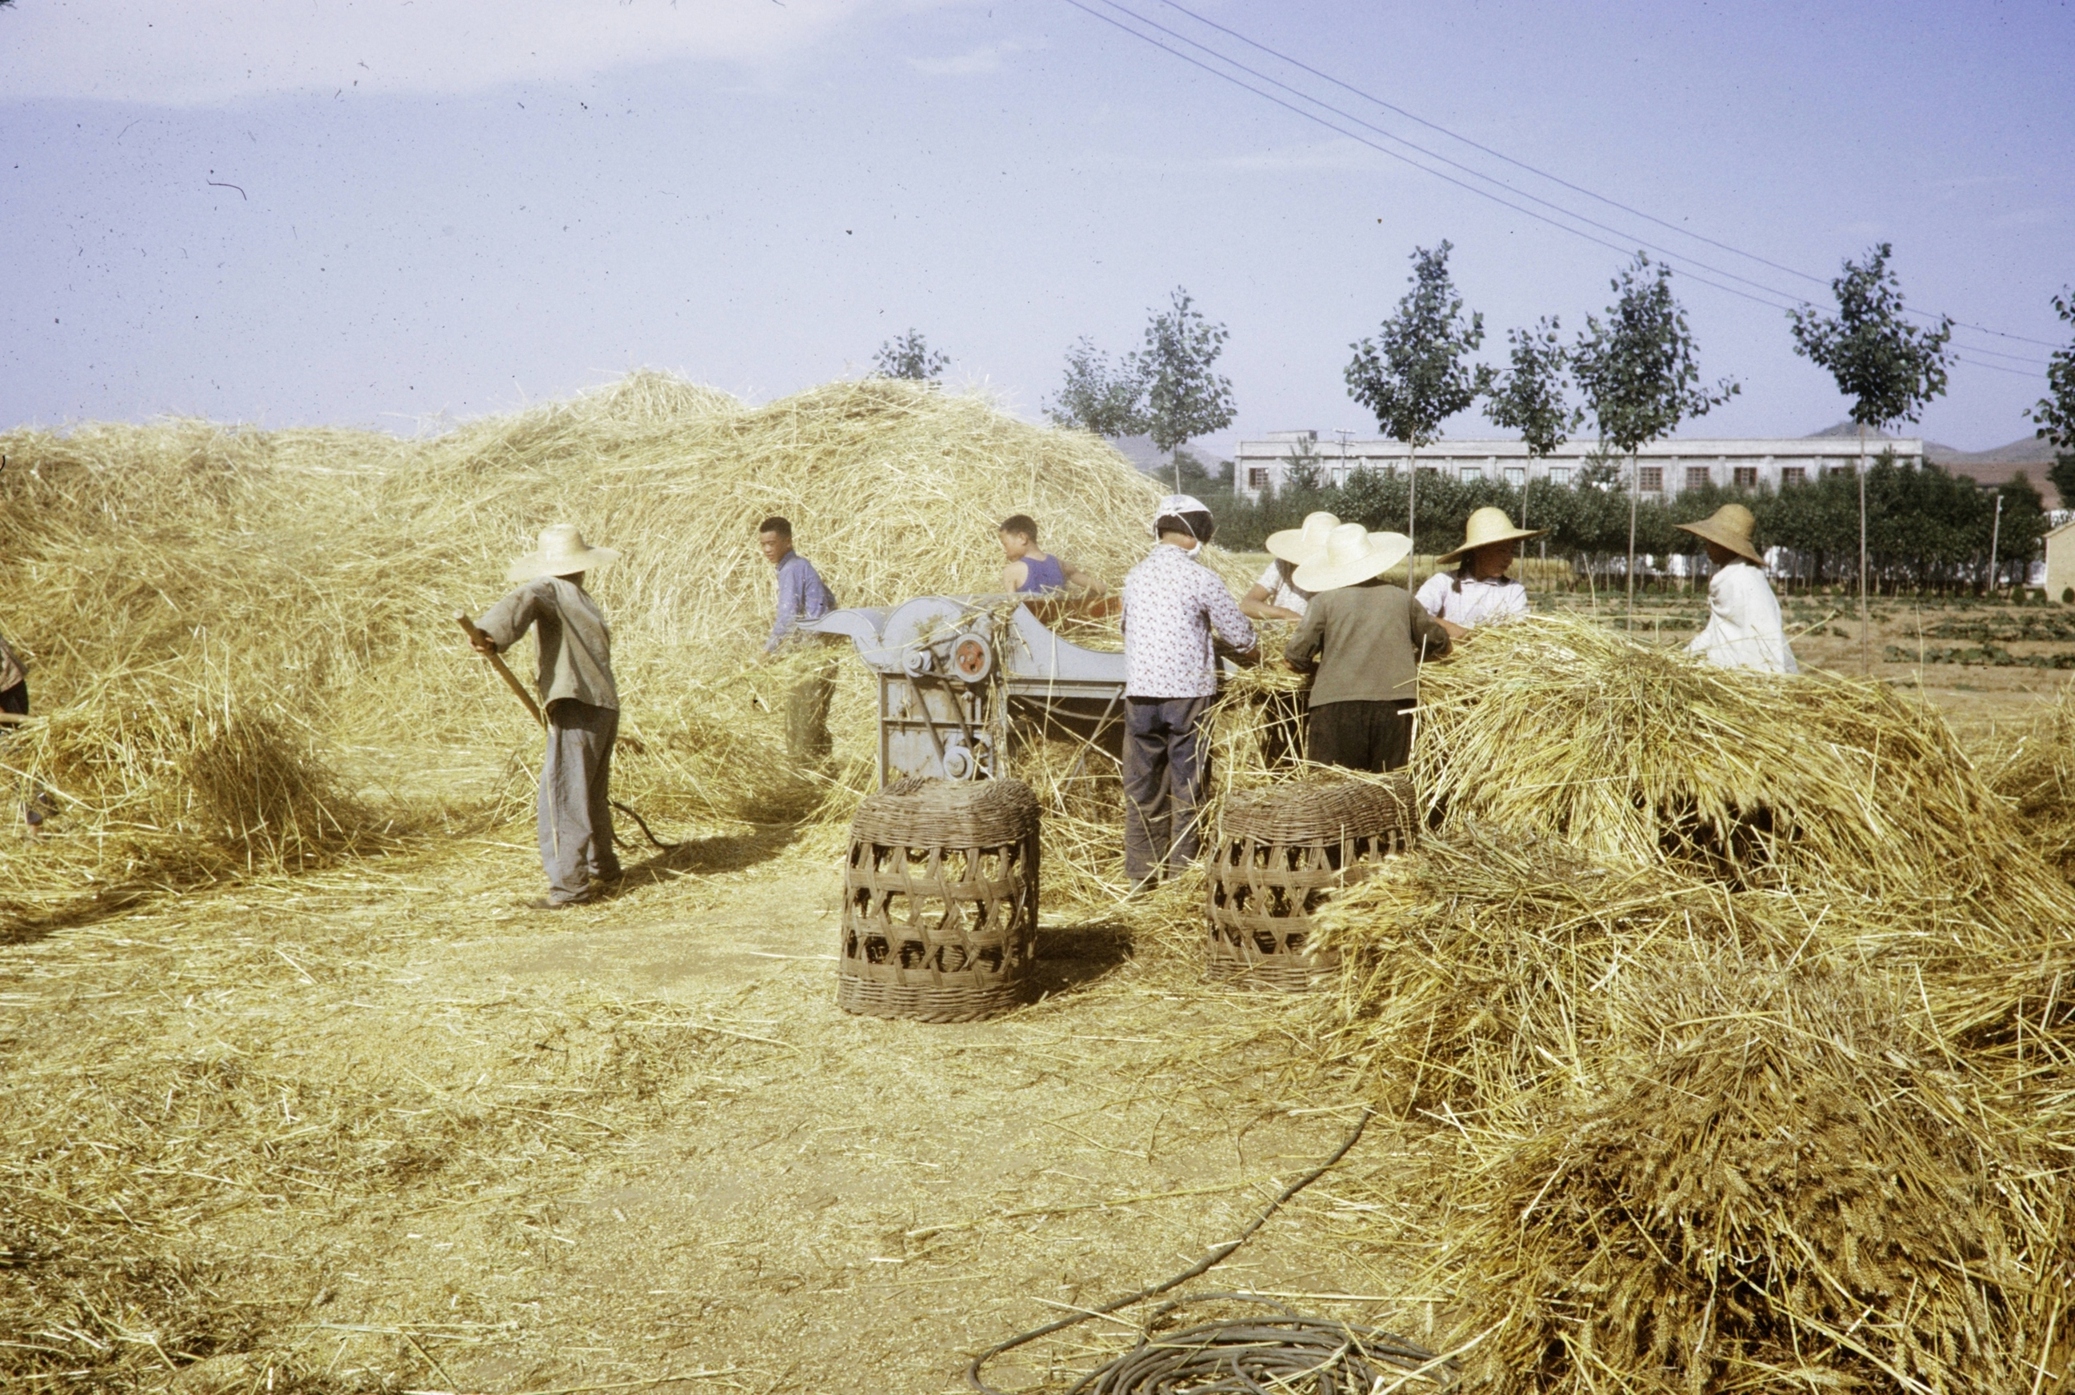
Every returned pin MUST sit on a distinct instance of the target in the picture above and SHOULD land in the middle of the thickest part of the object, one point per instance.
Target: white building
(1662, 468)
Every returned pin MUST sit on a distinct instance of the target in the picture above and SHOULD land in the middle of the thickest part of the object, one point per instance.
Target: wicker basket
(939, 900)
(1280, 853)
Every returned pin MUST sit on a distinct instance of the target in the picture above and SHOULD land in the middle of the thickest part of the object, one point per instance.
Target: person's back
(1369, 643)
(1041, 574)
(1363, 639)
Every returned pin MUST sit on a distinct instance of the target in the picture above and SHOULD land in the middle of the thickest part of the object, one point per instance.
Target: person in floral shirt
(1175, 611)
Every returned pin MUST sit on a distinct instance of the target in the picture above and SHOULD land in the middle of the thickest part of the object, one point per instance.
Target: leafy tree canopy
(1529, 396)
(2055, 412)
(1166, 389)
(1098, 397)
(1184, 397)
(1640, 369)
(1889, 367)
(909, 356)
(1412, 374)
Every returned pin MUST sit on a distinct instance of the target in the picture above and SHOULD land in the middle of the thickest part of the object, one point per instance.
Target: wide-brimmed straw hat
(562, 551)
(1487, 526)
(1352, 553)
(1300, 545)
(1729, 526)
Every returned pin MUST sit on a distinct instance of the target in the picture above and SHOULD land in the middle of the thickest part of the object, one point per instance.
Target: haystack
(1746, 1003)
(304, 581)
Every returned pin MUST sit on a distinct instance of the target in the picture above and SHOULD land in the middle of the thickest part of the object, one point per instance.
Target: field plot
(1721, 1029)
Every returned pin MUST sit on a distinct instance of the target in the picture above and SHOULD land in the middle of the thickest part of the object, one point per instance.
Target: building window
(1697, 477)
(1650, 479)
(1560, 474)
(1516, 475)
(1257, 477)
(1793, 474)
(1746, 476)
(1842, 470)
(1473, 474)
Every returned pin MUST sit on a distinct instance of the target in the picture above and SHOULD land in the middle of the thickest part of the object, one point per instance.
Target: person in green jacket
(1363, 640)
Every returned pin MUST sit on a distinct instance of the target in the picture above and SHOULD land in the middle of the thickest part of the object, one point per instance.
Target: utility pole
(1995, 536)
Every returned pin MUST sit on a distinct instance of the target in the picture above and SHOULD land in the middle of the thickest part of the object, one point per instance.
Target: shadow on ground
(727, 852)
(1073, 957)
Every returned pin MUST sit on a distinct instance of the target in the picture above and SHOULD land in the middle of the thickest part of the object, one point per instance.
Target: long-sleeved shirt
(801, 596)
(1173, 604)
(1463, 600)
(575, 643)
(1372, 638)
(1744, 628)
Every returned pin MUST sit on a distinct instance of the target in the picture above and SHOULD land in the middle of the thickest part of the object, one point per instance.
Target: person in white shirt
(1175, 611)
(1277, 596)
(1744, 628)
(1478, 591)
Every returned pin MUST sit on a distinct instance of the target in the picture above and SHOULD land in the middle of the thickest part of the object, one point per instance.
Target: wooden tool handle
(496, 659)
(12, 719)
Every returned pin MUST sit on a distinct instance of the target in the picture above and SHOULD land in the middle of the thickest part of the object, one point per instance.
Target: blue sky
(377, 211)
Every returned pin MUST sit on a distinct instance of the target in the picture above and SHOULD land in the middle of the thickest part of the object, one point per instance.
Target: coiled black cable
(1287, 1354)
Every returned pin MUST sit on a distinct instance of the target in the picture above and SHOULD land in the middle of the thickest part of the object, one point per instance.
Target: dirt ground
(439, 1142)
(379, 1127)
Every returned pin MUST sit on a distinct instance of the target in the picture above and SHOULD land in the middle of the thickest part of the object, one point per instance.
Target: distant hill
(2028, 456)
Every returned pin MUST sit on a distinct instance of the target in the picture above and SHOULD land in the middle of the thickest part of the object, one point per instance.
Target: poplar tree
(1889, 367)
(2056, 413)
(1640, 373)
(1529, 396)
(1412, 374)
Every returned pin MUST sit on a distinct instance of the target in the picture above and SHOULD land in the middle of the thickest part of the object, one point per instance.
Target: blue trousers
(575, 817)
(1166, 767)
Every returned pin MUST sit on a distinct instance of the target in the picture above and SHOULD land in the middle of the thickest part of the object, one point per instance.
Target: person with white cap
(1175, 609)
(1478, 591)
(1744, 629)
(1365, 640)
(1275, 596)
(579, 699)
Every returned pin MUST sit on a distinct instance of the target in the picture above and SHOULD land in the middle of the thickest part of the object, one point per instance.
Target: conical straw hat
(1729, 526)
(562, 551)
(1352, 553)
(1487, 526)
(1300, 545)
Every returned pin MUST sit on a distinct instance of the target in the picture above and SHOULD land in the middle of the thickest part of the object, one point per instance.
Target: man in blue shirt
(801, 597)
(801, 594)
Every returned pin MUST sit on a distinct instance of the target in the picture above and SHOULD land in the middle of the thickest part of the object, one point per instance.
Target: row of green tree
(1926, 530)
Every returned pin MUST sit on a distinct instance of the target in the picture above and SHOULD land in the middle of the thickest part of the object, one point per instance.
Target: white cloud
(979, 60)
(202, 52)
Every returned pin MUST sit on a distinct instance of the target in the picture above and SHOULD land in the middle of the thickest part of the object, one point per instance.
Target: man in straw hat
(1275, 596)
(1173, 607)
(1744, 628)
(1478, 591)
(579, 699)
(1365, 640)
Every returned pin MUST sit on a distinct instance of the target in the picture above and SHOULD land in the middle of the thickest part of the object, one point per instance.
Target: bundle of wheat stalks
(1752, 1015)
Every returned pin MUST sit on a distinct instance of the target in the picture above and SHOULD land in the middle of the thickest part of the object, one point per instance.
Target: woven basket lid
(1322, 811)
(962, 813)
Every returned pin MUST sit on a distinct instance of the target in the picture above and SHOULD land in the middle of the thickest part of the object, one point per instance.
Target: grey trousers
(575, 819)
(1166, 766)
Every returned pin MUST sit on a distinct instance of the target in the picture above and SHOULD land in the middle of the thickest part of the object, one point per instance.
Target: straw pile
(1749, 1015)
(244, 647)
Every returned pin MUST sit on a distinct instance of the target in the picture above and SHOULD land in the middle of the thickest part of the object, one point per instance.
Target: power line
(1406, 159)
(1469, 170)
(1500, 155)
